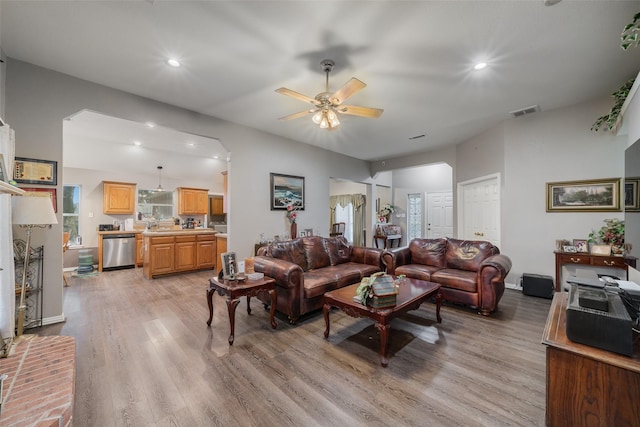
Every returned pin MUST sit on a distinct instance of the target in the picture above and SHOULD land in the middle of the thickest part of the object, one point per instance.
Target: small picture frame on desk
(581, 245)
(229, 265)
(569, 249)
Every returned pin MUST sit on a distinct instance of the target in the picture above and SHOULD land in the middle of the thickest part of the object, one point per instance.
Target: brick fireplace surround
(40, 387)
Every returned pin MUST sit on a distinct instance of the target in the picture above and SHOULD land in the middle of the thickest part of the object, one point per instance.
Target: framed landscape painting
(596, 195)
(287, 190)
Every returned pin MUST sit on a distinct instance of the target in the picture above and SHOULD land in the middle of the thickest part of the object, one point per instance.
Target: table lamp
(29, 212)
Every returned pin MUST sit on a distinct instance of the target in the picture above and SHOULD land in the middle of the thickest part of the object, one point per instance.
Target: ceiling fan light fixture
(317, 117)
(329, 105)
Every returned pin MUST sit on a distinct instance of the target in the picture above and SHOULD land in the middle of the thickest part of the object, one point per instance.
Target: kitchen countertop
(178, 232)
(105, 233)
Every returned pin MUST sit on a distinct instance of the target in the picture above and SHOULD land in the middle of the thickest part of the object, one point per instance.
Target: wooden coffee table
(411, 293)
(234, 290)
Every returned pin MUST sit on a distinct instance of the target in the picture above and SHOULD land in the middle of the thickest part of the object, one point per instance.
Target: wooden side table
(234, 290)
(387, 241)
(602, 261)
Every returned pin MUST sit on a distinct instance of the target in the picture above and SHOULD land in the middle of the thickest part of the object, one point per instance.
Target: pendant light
(159, 179)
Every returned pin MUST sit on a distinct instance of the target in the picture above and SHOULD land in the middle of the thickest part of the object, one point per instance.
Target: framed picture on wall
(33, 171)
(631, 199)
(286, 190)
(595, 195)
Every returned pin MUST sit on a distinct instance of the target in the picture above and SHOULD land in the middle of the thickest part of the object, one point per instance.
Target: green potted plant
(610, 235)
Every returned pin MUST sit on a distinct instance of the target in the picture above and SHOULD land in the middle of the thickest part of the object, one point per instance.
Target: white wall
(547, 147)
(38, 100)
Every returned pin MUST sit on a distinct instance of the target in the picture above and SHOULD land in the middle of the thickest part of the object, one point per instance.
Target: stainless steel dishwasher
(118, 251)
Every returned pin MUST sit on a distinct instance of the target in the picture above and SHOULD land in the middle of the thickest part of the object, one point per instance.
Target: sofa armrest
(501, 263)
(393, 258)
(287, 274)
(491, 275)
(363, 255)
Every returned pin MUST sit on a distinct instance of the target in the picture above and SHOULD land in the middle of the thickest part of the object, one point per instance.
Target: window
(71, 211)
(415, 216)
(153, 204)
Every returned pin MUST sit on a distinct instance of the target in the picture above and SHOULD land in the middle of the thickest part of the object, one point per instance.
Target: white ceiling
(99, 142)
(415, 56)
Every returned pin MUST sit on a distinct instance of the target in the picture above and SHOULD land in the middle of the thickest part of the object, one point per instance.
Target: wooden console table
(586, 385)
(603, 261)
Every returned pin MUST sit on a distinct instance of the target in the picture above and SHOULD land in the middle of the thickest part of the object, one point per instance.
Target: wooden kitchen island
(178, 251)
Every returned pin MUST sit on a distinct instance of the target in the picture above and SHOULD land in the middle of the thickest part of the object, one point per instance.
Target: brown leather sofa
(307, 267)
(470, 272)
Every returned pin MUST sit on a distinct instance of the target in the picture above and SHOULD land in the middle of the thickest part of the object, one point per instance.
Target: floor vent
(523, 111)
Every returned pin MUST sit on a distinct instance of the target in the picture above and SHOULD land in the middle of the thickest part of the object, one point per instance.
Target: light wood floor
(145, 357)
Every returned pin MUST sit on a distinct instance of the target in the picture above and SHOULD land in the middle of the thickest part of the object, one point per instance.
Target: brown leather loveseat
(470, 272)
(307, 267)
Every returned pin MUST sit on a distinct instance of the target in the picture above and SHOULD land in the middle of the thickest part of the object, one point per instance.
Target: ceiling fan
(328, 105)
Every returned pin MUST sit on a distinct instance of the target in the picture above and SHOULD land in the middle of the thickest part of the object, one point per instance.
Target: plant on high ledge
(629, 37)
(608, 121)
(630, 33)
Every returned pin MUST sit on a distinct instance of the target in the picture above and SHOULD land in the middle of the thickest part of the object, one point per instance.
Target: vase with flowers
(385, 212)
(292, 215)
(611, 234)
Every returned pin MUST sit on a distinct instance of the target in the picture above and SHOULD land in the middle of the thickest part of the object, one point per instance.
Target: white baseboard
(55, 319)
(512, 286)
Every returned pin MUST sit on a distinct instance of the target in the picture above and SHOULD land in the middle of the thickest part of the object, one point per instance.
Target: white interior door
(439, 215)
(479, 210)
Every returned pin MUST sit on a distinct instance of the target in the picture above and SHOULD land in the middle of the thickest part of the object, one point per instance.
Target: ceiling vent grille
(523, 111)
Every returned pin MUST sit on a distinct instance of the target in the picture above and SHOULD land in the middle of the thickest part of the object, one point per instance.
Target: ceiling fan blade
(352, 87)
(297, 115)
(296, 95)
(373, 113)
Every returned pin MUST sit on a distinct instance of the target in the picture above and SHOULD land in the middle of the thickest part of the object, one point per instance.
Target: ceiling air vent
(523, 111)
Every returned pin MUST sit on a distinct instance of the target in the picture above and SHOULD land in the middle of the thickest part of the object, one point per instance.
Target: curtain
(358, 201)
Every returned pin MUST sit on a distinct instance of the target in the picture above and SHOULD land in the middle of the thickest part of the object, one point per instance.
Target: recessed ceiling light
(173, 62)
(480, 66)
(216, 157)
(191, 144)
(137, 143)
(150, 124)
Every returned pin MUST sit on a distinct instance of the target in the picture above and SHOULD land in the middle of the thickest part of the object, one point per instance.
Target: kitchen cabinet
(221, 246)
(192, 201)
(159, 256)
(179, 251)
(185, 253)
(217, 205)
(119, 198)
(206, 252)
(139, 251)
